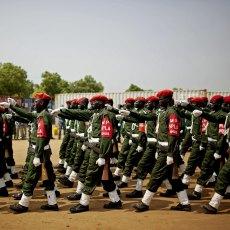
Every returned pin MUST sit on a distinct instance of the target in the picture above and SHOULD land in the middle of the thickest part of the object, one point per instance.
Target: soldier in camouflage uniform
(101, 134)
(146, 164)
(222, 187)
(196, 157)
(126, 134)
(212, 157)
(77, 154)
(168, 132)
(40, 164)
(137, 142)
(69, 147)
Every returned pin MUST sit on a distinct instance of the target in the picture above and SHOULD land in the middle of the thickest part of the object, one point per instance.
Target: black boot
(208, 209)
(66, 182)
(168, 193)
(116, 178)
(61, 170)
(59, 166)
(113, 205)
(122, 185)
(181, 207)
(106, 194)
(14, 176)
(9, 184)
(79, 208)
(17, 196)
(4, 192)
(74, 196)
(135, 194)
(57, 193)
(18, 208)
(194, 196)
(141, 207)
(50, 207)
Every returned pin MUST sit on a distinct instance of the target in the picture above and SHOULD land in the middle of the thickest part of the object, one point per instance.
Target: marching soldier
(40, 164)
(222, 187)
(137, 141)
(196, 157)
(147, 161)
(77, 154)
(126, 134)
(101, 134)
(168, 132)
(211, 160)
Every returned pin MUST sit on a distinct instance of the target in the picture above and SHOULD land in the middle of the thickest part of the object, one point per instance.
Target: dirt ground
(159, 216)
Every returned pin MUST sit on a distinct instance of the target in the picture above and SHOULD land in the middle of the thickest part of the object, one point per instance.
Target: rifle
(44, 175)
(105, 173)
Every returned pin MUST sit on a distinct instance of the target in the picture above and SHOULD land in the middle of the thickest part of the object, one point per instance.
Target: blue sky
(154, 44)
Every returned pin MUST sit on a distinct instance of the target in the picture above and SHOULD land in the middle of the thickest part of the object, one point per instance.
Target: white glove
(182, 156)
(119, 116)
(169, 160)
(8, 116)
(83, 147)
(217, 156)
(108, 106)
(201, 148)
(197, 112)
(156, 155)
(100, 161)
(11, 101)
(139, 149)
(183, 103)
(124, 112)
(5, 104)
(36, 161)
(113, 161)
(130, 142)
(55, 111)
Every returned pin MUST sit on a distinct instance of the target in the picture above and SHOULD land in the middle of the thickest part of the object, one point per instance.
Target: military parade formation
(143, 139)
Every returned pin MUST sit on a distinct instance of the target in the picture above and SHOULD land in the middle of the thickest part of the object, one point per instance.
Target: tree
(86, 85)
(133, 87)
(14, 82)
(52, 83)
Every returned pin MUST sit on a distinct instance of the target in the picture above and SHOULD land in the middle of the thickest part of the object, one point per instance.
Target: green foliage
(133, 87)
(86, 85)
(14, 82)
(52, 83)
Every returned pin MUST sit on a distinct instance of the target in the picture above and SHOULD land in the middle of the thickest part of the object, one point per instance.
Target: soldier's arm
(184, 113)
(130, 119)
(216, 118)
(114, 110)
(141, 117)
(81, 115)
(23, 113)
(20, 119)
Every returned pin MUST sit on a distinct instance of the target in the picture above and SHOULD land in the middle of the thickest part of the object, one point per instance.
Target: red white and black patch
(41, 132)
(106, 128)
(174, 125)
